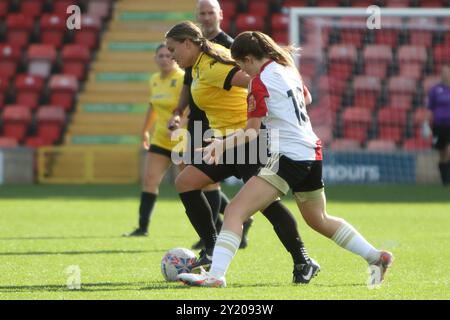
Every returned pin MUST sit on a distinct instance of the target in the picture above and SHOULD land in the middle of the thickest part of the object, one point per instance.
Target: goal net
(369, 72)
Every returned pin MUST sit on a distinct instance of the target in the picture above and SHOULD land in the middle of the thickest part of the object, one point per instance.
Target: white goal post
(296, 13)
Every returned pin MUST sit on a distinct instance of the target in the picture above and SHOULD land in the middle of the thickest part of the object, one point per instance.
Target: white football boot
(204, 279)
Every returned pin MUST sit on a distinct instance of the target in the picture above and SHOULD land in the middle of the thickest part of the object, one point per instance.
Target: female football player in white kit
(276, 99)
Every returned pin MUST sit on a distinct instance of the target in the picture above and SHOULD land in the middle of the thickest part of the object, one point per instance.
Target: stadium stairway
(113, 104)
(111, 110)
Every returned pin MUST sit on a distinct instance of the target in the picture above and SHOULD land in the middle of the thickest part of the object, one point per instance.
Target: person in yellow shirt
(165, 87)
(219, 89)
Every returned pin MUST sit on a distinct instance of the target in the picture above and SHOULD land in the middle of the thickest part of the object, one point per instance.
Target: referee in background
(439, 105)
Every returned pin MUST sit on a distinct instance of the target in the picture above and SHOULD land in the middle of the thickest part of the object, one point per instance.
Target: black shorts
(442, 137)
(243, 162)
(299, 176)
(195, 140)
(159, 150)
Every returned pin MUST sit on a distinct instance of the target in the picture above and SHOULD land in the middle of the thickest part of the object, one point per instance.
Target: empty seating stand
(16, 120)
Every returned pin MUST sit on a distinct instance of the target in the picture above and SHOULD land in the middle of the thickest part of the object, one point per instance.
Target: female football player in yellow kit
(165, 88)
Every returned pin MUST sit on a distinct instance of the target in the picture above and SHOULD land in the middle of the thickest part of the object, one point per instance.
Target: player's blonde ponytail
(188, 30)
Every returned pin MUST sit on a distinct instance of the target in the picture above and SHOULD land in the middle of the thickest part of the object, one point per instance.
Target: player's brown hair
(188, 30)
(161, 45)
(261, 46)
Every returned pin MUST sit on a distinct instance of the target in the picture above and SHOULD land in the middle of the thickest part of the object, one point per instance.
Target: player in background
(209, 15)
(219, 89)
(439, 104)
(276, 99)
(165, 87)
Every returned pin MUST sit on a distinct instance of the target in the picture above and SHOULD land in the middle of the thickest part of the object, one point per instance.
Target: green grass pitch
(45, 229)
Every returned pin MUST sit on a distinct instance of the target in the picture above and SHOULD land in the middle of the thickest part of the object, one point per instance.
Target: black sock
(444, 171)
(285, 226)
(224, 201)
(448, 173)
(145, 209)
(199, 213)
(218, 224)
(214, 199)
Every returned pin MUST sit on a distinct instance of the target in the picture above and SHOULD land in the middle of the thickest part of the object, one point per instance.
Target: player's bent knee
(234, 211)
(304, 197)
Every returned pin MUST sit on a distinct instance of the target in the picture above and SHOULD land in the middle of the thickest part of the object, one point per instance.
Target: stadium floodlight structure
(369, 71)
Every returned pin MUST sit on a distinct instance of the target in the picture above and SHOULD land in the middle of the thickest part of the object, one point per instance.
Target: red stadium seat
(441, 55)
(321, 115)
(90, 29)
(397, 3)
(60, 6)
(361, 3)
(389, 32)
(432, 4)
(6, 142)
(280, 22)
(31, 8)
(377, 58)
(50, 122)
(295, 3)
(317, 31)
(310, 57)
(401, 91)
(381, 145)
(75, 59)
(415, 144)
(356, 122)
(258, 7)
(99, 8)
(4, 86)
(341, 60)
(412, 59)
(28, 90)
(228, 8)
(366, 91)
(40, 59)
(281, 37)
(246, 22)
(19, 28)
(345, 145)
(4, 5)
(391, 124)
(331, 85)
(16, 120)
(9, 59)
(421, 115)
(36, 142)
(62, 90)
(53, 29)
(418, 33)
(328, 3)
(352, 30)
(331, 101)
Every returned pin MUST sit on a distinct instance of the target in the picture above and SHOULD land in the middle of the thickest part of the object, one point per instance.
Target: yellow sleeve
(220, 75)
(150, 85)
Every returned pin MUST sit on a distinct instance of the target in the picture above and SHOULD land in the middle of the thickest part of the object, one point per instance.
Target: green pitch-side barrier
(113, 139)
(156, 16)
(114, 108)
(133, 46)
(122, 76)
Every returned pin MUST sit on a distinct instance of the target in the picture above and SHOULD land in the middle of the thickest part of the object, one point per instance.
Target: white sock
(227, 244)
(348, 238)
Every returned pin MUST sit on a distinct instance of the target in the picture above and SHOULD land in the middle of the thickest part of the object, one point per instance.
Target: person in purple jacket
(439, 104)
